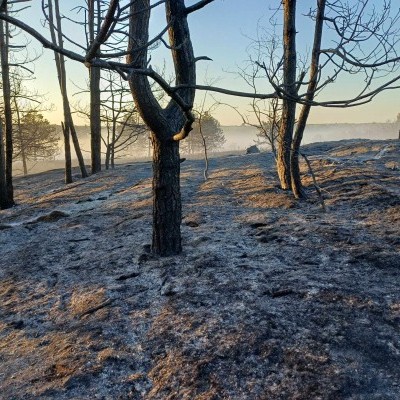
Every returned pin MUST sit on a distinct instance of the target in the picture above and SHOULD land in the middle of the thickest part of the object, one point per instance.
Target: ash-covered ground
(272, 298)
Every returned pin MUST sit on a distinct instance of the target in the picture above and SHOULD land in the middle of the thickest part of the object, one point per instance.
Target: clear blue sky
(222, 31)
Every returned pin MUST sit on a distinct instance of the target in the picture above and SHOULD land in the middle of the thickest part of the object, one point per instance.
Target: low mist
(238, 138)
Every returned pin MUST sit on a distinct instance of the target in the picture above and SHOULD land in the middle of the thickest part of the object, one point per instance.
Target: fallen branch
(127, 276)
(68, 187)
(96, 308)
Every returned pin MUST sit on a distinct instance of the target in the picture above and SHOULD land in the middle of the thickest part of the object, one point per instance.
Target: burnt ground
(272, 298)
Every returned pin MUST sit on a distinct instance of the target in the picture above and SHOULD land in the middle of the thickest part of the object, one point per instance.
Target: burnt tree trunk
(95, 124)
(297, 187)
(3, 183)
(289, 85)
(167, 208)
(94, 85)
(164, 123)
(67, 153)
(108, 156)
(5, 74)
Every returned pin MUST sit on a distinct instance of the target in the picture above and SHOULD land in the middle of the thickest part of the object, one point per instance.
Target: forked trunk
(167, 207)
(297, 186)
(165, 123)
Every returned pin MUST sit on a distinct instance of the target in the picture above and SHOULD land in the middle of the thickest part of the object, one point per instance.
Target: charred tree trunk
(108, 155)
(5, 73)
(67, 152)
(95, 100)
(3, 184)
(297, 187)
(95, 124)
(113, 142)
(165, 123)
(289, 85)
(167, 208)
(112, 155)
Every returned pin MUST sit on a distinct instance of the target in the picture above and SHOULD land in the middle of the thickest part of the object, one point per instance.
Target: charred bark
(5, 72)
(67, 153)
(167, 208)
(95, 96)
(95, 124)
(289, 85)
(3, 184)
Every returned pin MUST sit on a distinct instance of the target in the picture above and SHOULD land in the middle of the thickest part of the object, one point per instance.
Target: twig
(317, 188)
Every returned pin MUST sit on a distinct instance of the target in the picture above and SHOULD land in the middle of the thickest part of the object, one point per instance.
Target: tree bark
(3, 184)
(297, 187)
(95, 124)
(5, 72)
(289, 84)
(167, 208)
(94, 77)
(67, 152)
(108, 153)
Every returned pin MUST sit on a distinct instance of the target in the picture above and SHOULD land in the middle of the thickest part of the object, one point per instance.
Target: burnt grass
(272, 298)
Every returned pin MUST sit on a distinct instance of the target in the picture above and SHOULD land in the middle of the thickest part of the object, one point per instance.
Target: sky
(224, 31)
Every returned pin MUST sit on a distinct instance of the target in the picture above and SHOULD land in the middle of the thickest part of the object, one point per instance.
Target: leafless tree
(8, 198)
(365, 44)
(53, 18)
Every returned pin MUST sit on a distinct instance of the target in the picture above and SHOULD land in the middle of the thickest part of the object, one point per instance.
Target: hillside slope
(271, 299)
